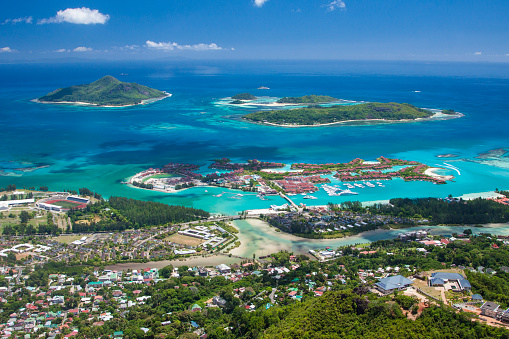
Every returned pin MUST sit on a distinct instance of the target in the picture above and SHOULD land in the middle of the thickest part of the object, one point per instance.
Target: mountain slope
(106, 91)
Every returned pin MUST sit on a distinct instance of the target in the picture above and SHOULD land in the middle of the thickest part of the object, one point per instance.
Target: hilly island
(107, 91)
(314, 115)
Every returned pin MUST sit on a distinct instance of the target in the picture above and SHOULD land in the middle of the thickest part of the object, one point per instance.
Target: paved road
(272, 301)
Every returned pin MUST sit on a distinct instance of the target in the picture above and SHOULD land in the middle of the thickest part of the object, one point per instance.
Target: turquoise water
(259, 239)
(99, 148)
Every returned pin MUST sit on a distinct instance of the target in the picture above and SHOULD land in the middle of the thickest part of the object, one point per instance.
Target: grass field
(65, 204)
(67, 239)
(184, 240)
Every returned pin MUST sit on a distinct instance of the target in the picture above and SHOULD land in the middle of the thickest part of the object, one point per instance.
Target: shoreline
(431, 172)
(436, 116)
(87, 104)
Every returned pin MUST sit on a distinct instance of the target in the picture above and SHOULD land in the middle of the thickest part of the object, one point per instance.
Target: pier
(284, 196)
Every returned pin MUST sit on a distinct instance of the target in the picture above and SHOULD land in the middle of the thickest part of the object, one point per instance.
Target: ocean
(69, 147)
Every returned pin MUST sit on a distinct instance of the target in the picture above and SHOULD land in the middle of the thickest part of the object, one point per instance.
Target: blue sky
(257, 29)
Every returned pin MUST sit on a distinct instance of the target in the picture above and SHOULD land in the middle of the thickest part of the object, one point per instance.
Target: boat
(206, 191)
(347, 192)
(239, 195)
(310, 197)
(369, 184)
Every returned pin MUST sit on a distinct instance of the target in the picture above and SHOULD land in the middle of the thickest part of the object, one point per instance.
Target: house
(218, 301)
(393, 283)
(450, 281)
(222, 268)
(490, 309)
(476, 298)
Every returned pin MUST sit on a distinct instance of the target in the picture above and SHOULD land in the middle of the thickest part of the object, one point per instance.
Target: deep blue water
(98, 148)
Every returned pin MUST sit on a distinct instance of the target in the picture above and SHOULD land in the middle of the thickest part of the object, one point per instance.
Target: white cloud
(170, 46)
(477, 53)
(130, 47)
(259, 3)
(335, 4)
(61, 50)
(6, 50)
(26, 19)
(84, 16)
(82, 49)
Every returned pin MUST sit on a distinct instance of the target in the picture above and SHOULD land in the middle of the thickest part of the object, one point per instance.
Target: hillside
(307, 99)
(106, 91)
(317, 115)
(348, 315)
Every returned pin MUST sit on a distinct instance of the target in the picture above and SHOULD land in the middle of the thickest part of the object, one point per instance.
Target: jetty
(287, 198)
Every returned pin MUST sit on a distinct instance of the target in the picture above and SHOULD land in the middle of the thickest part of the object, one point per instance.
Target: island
(307, 99)
(106, 92)
(244, 96)
(315, 115)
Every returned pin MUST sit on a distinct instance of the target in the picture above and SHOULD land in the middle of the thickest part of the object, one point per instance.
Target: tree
(24, 217)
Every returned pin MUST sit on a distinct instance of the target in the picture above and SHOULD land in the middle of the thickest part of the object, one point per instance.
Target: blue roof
(476, 297)
(464, 283)
(394, 282)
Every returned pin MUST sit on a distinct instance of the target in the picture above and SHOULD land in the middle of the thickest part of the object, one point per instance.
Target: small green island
(107, 92)
(315, 115)
(244, 96)
(307, 99)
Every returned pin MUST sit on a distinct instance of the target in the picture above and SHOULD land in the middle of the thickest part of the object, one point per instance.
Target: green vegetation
(477, 211)
(348, 315)
(244, 96)
(307, 99)
(448, 111)
(120, 213)
(106, 91)
(236, 102)
(316, 115)
(493, 288)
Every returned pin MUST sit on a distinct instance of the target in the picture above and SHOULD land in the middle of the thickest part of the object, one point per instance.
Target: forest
(440, 211)
(120, 213)
(313, 115)
(103, 92)
(307, 99)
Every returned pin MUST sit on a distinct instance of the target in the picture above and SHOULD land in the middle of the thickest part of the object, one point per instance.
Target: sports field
(184, 240)
(65, 204)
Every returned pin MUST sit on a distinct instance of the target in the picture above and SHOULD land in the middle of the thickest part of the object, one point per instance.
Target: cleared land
(184, 240)
(67, 239)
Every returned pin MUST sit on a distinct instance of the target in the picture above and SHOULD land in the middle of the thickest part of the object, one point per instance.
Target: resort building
(450, 281)
(393, 283)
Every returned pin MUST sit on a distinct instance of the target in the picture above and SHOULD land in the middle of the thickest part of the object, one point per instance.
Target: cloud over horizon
(82, 16)
(6, 50)
(26, 19)
(335, 4)
(170, 46)
(82, 49)
(259, 3)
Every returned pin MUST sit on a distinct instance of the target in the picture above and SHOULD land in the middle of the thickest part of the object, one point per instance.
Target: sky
(439, 30)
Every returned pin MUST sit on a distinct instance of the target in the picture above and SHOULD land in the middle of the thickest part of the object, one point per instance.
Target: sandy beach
(436, 116)
(79, 103)
(431, 172)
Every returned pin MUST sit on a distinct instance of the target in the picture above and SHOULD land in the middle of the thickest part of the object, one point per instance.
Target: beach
(88, 104)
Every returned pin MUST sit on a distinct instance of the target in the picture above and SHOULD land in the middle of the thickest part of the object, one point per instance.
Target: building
(223, 268)
(393, 283)
(450, 281)
(490, 309)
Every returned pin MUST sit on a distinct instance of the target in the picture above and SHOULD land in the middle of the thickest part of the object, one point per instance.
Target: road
(272, 301)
